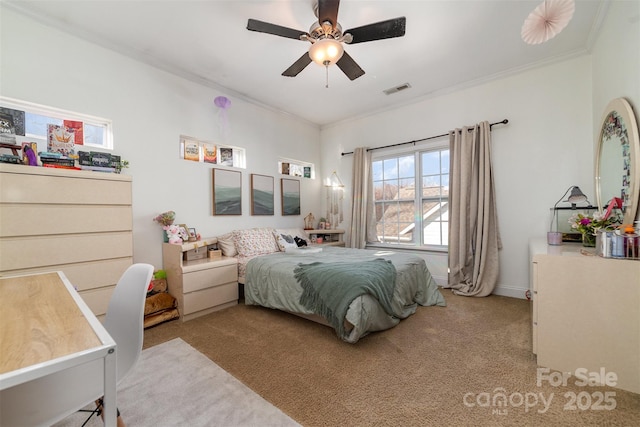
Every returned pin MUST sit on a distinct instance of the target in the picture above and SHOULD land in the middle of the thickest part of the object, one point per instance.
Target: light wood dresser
(78, 222)
(586, 312)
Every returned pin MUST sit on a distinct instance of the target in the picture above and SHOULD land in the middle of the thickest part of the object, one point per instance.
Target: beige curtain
(363, 222)
(474, 239)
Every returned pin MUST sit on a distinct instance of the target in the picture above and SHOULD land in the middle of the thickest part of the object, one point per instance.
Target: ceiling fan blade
(276, 30)
(378, 31)
(298, 66)
(349, 67)
(328, 11)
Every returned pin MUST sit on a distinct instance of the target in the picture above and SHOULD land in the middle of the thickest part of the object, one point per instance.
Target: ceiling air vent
(397, 88)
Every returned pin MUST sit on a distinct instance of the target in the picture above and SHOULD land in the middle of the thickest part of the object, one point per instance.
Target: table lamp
(576, 196)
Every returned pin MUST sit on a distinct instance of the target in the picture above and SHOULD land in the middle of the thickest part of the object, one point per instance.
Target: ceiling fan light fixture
(326, 51)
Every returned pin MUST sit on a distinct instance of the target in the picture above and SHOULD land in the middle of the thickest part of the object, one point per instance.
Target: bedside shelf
(332, 237)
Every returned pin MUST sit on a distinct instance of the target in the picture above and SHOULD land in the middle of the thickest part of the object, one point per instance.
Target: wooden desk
(55, 356)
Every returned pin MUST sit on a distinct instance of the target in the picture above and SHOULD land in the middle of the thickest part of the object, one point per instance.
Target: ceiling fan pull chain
(326, 67)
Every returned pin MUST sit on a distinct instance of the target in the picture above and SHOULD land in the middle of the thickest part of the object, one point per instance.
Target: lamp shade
(577, 196)
(326, 51)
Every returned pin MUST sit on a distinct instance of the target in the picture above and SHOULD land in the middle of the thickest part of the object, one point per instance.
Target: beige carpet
(174, 385)
(416, 374)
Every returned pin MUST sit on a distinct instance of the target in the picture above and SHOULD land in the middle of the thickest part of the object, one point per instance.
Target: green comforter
(329, 288)
(270, 282)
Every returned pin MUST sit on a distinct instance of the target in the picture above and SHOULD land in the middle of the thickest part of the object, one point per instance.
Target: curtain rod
(503, 122)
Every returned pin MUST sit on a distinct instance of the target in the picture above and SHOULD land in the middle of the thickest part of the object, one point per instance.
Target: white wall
(543, 150)
(150, 109)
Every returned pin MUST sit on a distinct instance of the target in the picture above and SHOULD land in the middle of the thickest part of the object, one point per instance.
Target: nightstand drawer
(211, 297)
(197, 280)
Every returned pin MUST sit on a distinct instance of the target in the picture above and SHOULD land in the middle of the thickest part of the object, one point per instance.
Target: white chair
(125, 317)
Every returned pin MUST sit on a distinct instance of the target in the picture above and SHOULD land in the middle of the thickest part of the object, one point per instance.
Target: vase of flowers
(589, 225)
(165, 219)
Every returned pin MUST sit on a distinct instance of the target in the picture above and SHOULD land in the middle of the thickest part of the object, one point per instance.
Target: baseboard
(504, 291)
(440, 280)
(510, 291)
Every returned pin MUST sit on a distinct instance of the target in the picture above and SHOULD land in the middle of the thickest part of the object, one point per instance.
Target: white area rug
(175, 385)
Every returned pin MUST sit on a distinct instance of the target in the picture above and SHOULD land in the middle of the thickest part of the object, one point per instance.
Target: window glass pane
(390, 169)
(406, 166)
(445, 161)
(431, 186)
(445, 185)
(407, 189)
(431, 163)
(434, 215)
(377, 190)
(36, 124)
(390, 190)
(376, 168)
(94, 135)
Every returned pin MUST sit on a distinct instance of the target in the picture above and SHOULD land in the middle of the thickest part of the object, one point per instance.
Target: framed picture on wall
(261, 195)
(290, 191)
(227, 192)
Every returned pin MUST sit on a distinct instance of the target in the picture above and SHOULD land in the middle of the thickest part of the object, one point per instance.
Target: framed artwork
(290, 191)
(193, 234)
(261, 195)
(226, 156)
(184, 232)
(227, 192)
(210, 153)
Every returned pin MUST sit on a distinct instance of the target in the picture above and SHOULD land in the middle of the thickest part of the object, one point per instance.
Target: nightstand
(200, 286)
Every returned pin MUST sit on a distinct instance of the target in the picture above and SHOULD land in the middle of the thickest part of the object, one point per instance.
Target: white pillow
(285, 241)
(226, 245)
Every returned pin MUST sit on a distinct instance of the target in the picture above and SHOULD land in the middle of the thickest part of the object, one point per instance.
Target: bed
(384, 286)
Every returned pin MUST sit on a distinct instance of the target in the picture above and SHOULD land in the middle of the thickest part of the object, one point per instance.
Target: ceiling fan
(326, 38)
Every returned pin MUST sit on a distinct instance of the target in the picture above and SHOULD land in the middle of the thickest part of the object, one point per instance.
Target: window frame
(60, 114)
(396, 152)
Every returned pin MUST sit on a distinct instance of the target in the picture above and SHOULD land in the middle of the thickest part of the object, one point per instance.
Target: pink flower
(585, 221)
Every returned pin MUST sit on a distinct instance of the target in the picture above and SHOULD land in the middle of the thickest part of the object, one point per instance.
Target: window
(411, 193)
(96, 132)
(296, 168)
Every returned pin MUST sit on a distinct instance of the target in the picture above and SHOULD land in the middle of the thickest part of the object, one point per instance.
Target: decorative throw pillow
(300, 242)
(226, 245)
(255, 241)
(293, 232)
(285, 241)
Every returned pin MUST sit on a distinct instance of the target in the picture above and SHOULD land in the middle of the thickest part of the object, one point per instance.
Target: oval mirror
(618, 159)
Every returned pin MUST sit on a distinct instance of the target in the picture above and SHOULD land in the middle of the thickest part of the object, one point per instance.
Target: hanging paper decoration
(224, 104)
(547, 20)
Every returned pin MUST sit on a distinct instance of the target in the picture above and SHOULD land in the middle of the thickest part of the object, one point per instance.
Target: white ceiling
(448, 45)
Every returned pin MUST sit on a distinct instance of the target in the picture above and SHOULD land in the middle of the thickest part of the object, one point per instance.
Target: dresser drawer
(210, 297)
(202, 279)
